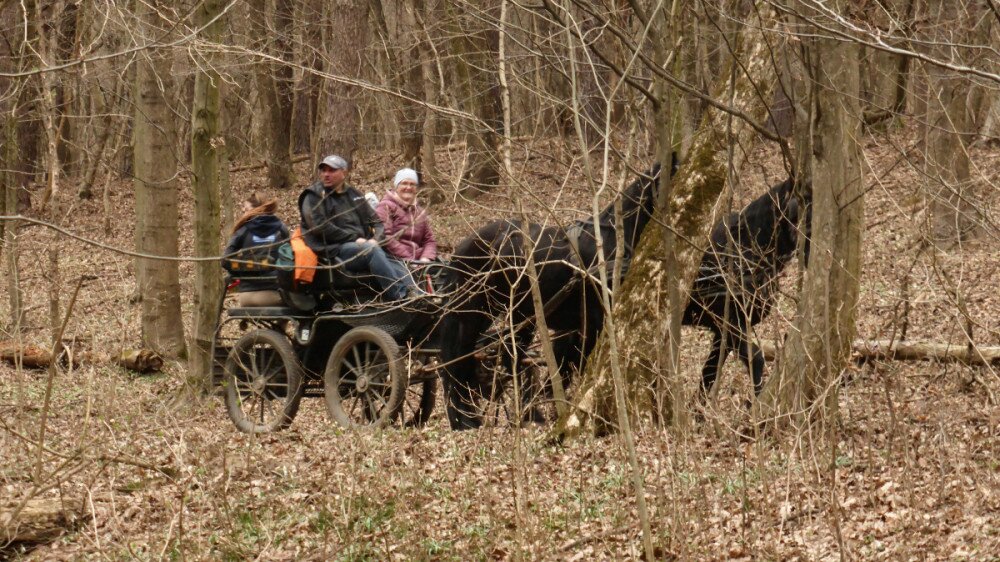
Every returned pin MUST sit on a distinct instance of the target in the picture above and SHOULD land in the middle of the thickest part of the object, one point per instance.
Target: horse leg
(528, 385)
(752, 357)
(459, 377)
(574, 344)
(716, 358)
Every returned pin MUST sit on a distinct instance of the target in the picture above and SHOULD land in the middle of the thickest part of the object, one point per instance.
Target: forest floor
(914, 473)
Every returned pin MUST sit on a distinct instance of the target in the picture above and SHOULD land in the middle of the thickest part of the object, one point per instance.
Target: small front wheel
(364, 382)
(263, 380)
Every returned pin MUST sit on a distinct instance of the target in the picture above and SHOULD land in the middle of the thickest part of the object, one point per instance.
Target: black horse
(737, 280)
(489, 282)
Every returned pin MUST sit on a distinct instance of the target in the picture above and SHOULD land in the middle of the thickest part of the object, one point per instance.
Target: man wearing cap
(337, 222)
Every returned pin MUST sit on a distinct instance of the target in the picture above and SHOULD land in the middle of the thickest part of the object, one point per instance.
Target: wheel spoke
(372, 352)
(378, 369)
(254, 364)
(372, 412)
(273, 388)
(357, 357)
(380, 399)
(354, 407)
(270, 356)
(353, 370)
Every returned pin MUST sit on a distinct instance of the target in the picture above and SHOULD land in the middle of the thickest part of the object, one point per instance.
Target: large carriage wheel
(364, 381)
(263, 380)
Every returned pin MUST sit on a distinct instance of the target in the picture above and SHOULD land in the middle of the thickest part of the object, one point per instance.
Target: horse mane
(634, 193)
(762, 209)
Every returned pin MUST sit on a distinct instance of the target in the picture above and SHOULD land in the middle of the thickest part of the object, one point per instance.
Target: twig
(57, 340)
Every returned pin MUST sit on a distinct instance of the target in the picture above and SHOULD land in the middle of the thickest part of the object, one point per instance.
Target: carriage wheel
(418, 403)
(365, 381)
(263, 380)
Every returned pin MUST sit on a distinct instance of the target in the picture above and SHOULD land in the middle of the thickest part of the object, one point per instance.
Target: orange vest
(305, 259)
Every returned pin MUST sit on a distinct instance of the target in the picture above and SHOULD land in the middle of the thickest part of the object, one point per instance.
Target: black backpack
(256, 255)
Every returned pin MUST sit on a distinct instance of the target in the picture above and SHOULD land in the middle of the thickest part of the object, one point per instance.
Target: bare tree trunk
(45, 52)
(433, 190)
(109, 130)
(205, 184)
(8, 230)
(67, 91)
(949, 131)
(694, 192)
(156, 195)
(10, 249)
(344, 44)
(474, 47)
(274, 86)
(818, 347)
(306, 91)
(405, 74)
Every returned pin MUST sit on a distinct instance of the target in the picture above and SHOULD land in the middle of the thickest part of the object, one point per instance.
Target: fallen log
(140, 360)
(34, 357)
(884, 350)
(29, 356)
(38, 520)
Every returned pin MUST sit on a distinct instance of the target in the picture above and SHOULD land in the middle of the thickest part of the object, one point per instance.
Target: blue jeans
(392, 276)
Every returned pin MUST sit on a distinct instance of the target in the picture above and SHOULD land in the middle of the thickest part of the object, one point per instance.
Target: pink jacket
(407, 229)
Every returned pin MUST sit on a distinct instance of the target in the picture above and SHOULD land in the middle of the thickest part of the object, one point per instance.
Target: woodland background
(136, 128)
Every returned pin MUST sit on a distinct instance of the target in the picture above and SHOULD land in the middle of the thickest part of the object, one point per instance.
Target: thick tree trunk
(274, 86)
(819, 345)
(205, 165)
(405, 75)
(340, 114)
(155, 156)
(45, 51)
(306, 92)
(694, 192)
(475, 48)
(950, 192)
(433, 189)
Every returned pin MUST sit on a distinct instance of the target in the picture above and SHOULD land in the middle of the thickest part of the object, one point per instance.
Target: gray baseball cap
(334, 161)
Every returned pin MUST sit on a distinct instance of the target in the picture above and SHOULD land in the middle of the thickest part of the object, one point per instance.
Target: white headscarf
(405, 174)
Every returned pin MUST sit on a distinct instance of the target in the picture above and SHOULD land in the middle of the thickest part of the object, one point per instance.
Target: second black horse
(737, 280)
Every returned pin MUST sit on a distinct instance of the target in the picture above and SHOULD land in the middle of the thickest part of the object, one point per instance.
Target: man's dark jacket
(330, 219)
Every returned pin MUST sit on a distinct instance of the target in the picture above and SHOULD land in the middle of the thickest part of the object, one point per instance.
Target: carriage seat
(259, 312)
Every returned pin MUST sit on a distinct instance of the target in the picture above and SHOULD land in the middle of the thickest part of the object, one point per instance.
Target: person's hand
(360, 241)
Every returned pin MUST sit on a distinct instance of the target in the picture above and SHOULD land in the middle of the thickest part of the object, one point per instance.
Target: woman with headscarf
(408, 235)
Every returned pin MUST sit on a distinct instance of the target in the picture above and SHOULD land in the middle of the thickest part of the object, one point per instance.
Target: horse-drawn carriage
(374, 362)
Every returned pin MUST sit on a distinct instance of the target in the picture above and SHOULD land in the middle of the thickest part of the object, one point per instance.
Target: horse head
(639, 201)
